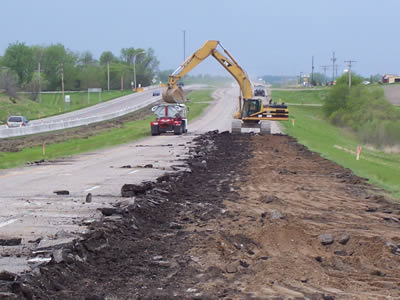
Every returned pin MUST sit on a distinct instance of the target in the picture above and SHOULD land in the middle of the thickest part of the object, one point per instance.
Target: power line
(349, 62)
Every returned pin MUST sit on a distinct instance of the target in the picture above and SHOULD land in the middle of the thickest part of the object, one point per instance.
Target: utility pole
(349, 71)
(40, 86)
(134, 66)
(312, 70)
(108, 75)
(62, 81)
(333, 59)
(325, 68)
(184, 45)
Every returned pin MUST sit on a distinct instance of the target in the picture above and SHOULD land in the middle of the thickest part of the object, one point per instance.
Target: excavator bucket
(173, 95)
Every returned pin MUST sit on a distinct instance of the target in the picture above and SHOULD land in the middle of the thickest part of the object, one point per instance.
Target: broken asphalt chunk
(108, 211)
(130, 190)
(344, 238)
(8, 276)
(174, 225)
(61, 192)
(326, 239)
(10, 242)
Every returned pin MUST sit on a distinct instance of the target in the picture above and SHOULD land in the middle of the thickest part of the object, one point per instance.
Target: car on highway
(156, 93)
(17, 121)
(259, 91)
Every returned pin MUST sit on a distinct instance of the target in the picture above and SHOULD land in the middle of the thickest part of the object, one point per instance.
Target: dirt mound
(256, 217)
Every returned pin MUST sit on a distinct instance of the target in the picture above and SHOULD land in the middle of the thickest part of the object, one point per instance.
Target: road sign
(94, 90)
(67, 99)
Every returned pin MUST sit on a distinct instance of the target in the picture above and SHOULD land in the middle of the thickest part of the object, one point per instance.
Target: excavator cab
(251, 106)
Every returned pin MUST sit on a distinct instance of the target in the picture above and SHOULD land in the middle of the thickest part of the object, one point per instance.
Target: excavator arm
(174, 93)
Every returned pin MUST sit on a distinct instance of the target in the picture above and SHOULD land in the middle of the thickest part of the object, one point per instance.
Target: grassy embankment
(337, 144)
(52, 104)
(131, 131)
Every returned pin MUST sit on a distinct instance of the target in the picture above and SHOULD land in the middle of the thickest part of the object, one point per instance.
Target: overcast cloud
(266, 37)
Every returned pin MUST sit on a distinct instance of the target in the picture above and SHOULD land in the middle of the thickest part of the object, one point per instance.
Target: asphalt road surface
(31, 209)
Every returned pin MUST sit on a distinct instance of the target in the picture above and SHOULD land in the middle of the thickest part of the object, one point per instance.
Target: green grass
(312, 130)
(198, 102)
(131, 131)
(52, 104)
(301, 97)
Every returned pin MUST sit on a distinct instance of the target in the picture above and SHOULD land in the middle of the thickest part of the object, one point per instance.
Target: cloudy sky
(266, 37)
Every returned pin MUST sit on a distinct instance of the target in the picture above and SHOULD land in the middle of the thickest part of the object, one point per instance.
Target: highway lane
(101, 108)
(31, 210)
(97, 113)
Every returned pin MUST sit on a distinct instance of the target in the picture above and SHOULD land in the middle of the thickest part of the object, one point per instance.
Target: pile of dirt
(17, 144)
(257, 217)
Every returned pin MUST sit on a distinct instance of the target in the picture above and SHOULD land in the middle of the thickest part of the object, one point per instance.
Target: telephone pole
(62, 81)
(326, 67)
(184, 45)
(312, 70)
(349, 62)
(333, 59)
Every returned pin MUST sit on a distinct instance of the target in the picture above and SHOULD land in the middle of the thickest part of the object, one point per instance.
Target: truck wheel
(155, 130)
(178, 130)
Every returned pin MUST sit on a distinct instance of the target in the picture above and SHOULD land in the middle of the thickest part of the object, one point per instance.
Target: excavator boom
(174, 93)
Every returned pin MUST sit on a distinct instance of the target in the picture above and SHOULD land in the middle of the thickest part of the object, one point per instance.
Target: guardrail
(59, 125)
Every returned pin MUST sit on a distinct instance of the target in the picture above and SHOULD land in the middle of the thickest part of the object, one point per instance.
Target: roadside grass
(339, 145)
(301, 96)
(198, 102)
(131, 131)
(52, 104)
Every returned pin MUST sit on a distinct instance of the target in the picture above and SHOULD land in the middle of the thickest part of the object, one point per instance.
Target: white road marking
(92, 188)
(8, 222)
(133, 172)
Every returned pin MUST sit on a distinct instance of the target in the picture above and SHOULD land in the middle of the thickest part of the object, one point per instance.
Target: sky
(266, 37)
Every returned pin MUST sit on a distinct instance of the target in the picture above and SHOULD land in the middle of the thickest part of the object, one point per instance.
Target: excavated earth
(257, 217)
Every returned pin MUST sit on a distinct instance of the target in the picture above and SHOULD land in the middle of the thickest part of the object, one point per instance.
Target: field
(337, 144)
(89, 138)
(52, 104)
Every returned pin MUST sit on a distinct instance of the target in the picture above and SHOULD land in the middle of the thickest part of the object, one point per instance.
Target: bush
(365, 110)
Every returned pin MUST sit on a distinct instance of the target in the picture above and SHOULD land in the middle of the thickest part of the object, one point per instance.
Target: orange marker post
(293, 122)
(359, 148)
(44, 149)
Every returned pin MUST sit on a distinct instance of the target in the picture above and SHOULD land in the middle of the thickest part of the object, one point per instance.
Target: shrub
(365, 110)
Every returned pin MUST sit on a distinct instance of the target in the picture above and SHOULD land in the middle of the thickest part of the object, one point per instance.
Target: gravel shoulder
(252, 216)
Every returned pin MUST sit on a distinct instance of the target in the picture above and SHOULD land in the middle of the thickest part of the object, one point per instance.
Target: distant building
(390, 78)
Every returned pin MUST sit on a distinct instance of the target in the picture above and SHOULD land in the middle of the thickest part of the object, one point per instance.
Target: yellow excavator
(252, 113)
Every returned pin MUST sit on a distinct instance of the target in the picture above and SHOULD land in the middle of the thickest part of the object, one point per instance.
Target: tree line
(53, 68)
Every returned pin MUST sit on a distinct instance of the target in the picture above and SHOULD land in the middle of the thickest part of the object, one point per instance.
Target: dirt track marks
(310, 196)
